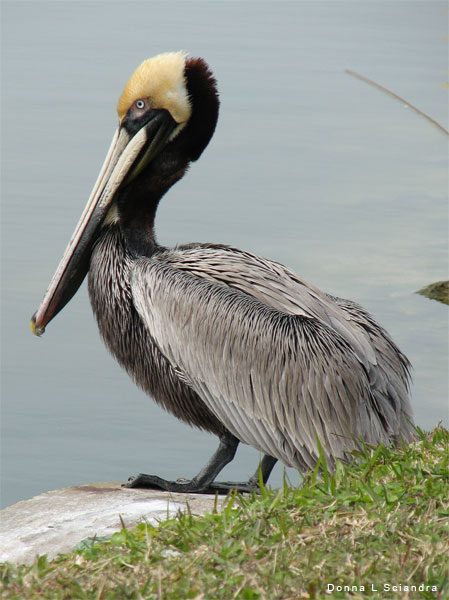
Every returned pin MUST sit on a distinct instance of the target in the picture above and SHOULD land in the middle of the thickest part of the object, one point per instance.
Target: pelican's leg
(265, 468)
(204, 483)
(201, 483)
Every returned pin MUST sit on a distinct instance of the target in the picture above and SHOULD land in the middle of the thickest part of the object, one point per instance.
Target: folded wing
(276, 360)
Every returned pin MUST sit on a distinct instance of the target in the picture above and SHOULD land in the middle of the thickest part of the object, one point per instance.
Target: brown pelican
(225, 340)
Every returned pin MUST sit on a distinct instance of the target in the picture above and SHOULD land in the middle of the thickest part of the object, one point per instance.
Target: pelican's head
(167, 115)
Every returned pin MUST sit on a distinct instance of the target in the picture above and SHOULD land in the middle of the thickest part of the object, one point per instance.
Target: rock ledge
(56, 522)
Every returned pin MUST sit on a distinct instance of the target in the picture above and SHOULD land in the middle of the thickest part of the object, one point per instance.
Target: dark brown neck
(138, 204)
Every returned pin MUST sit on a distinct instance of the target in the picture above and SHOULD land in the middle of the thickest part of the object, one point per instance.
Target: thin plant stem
(393, 95)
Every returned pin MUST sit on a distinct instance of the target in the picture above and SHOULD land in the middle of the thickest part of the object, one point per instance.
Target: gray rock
(56, 522)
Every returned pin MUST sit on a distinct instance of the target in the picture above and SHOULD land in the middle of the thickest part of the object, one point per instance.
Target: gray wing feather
(281, 288)
(274, 285)
(273, 358)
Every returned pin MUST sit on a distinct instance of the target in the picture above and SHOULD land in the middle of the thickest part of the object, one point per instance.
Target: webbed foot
(189, 486)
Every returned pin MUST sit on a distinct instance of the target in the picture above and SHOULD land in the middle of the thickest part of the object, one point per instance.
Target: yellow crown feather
(162, 80)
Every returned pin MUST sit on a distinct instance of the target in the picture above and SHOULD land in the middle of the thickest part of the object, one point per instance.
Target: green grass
(383, 521)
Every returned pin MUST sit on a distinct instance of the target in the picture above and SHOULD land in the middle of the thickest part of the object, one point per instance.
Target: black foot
(154, 482)
(189, 486)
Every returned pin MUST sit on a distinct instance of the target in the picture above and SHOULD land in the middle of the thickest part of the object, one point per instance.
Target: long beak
(126, 158)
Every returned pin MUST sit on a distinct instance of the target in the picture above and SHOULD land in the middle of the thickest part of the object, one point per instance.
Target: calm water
(308, 166)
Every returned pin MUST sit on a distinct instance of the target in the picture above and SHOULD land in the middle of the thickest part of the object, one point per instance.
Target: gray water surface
(308, 167)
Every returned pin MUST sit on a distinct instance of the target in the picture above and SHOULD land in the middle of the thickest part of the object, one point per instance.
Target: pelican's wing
(279, 287)
(274, 378)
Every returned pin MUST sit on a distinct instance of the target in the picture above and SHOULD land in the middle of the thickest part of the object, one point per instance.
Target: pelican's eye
(138, 112)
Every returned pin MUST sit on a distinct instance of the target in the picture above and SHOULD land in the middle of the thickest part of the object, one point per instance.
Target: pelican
(226, 341)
